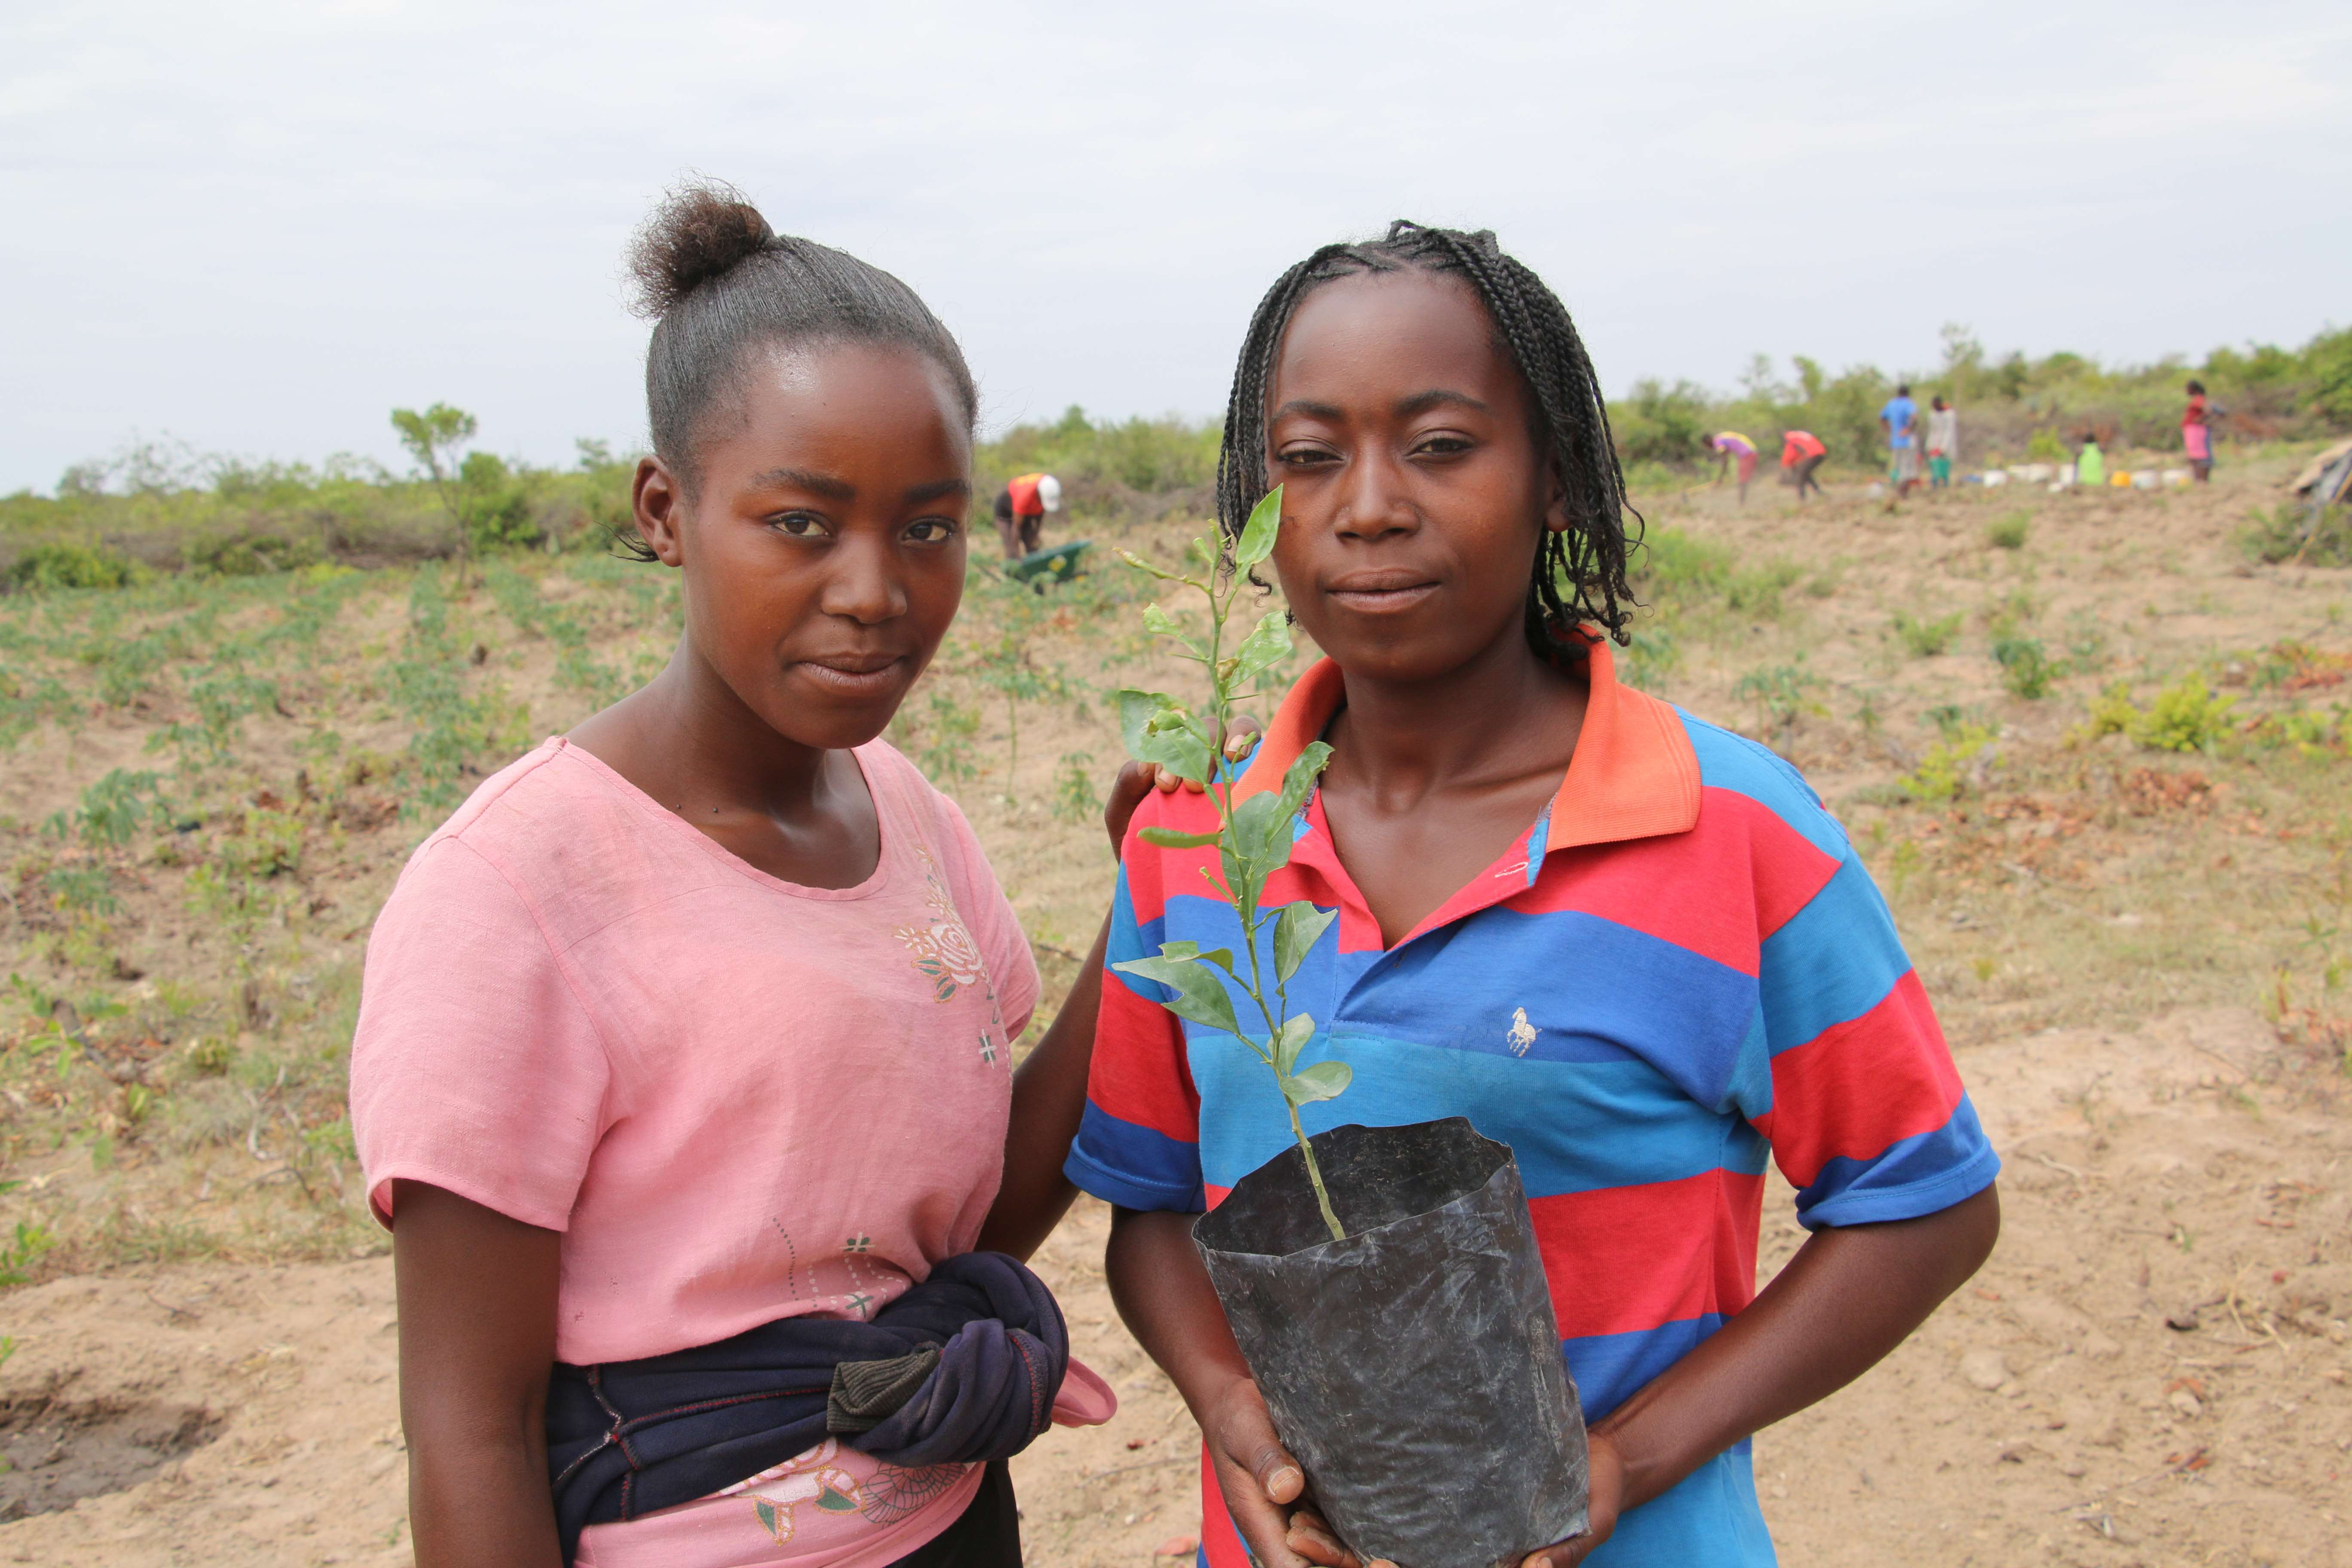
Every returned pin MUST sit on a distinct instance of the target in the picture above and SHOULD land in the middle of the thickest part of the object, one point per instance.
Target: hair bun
(700, 231)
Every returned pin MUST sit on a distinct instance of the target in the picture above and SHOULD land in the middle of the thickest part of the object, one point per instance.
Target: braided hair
(1579, 575)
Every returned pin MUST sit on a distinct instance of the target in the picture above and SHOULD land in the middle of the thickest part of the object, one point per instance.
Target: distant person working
(1801, 455)
(2197, 433)
(1900, 419)
(1729, 447)
(1943, 442)
(1020, 509)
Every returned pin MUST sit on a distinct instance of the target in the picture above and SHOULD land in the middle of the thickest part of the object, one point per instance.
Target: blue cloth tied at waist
(961, 1369)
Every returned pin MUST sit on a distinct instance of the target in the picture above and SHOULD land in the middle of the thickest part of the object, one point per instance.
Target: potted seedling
(1383, 1283)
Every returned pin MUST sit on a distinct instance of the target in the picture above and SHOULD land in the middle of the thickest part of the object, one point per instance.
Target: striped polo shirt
(1679, 969)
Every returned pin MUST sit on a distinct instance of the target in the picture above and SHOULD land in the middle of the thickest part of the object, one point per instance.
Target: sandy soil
(2055, 1412)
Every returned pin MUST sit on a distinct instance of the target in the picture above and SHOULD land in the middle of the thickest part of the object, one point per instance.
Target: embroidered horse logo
(1522, 1035)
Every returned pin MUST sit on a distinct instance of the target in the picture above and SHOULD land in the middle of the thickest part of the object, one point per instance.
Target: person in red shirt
(2197, 434)
(1020, 509)
(1802, 452)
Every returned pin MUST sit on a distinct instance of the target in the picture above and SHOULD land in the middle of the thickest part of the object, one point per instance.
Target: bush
(1944, 774)
(2025, 669)
(2009, 532)
(1660, 424)
(2044, 447)
(251, 554)
(66, 566)
(1927, 639)
(2184, 717)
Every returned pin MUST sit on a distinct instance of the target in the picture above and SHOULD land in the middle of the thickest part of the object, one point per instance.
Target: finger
(1249, 1438)
(1165, 779)
(1264, 1527)
(1127, 791)
(1317, 1544)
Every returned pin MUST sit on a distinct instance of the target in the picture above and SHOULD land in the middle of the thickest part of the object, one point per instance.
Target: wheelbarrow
(1040, 567)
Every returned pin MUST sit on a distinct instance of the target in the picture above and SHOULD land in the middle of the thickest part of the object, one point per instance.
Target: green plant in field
(21, 1250)
(2044, 447)
(427, 683)
(112, 809)
(1781, 694)
(2025, 669)
(1943, 774)
(2009, 530)
(69, 565)
(1252, 836)
(1651, 658)
(1008, 662)
(82, 888)
(1074, 787)
(2185, 716)
(2112, 714)
(943, 742)
(1927, 639)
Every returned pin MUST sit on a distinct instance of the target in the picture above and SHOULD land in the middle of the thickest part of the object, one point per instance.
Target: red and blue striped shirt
(1679, 969)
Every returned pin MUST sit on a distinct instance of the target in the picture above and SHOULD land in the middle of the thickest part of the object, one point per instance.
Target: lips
(1379, 590)
(853, 674)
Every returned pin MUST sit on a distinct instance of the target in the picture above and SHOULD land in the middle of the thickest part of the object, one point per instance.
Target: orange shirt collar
(1633, 775)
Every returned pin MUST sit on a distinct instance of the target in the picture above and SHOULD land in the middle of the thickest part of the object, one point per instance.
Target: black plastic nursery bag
(1415, 1368)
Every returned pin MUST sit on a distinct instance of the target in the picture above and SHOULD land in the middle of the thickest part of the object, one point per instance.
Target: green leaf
(1180, 952)
(1169, 838)
(1302, 925)
(1156, 619)
(1158, 729)
(1324, 1080)
(1296, 1030)
(1222, 957)
(1267, 644)
(1200, 994)
(1256, 542)
(1299, 783)
(1262, 832)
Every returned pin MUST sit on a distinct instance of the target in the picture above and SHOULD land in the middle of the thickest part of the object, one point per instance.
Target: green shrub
(1660, 424)
(251, 554)
(2044, 447)
(58, 564)
(2009, 531)
(1927, 639)
(1672, 562)
(2025, 669)
(2185, 716)
(1943, 774)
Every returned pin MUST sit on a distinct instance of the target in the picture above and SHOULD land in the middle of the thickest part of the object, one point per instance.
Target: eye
(802, 525)
(1305, 457)
(930, 530)
(1441, 446)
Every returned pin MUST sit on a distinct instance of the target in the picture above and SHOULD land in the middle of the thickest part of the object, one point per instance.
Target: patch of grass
(2025, 669)
(1946, 772)
(1926, 638)
(2185, 716)
(2291, 531)
(1781, 694)
(2009, 530)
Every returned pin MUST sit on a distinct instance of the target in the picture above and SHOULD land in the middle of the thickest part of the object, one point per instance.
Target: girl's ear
(1555, 519)
(660, 504)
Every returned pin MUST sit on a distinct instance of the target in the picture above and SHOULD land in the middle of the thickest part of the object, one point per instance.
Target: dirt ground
(2130, 947)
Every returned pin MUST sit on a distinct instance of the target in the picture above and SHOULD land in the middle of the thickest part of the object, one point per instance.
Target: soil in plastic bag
(1414, 1369)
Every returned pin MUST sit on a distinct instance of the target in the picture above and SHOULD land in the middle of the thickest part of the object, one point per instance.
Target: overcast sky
(258, 227)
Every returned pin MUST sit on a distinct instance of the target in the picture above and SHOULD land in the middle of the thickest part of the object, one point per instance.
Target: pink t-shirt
(740, 1100)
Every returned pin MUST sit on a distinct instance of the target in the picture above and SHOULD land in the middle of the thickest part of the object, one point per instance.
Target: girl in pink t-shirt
(701, 1016)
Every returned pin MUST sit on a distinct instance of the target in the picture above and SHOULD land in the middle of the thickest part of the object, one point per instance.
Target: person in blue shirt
(1900, 420)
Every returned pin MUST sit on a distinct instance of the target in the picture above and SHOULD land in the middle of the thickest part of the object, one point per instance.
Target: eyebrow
(1440, 397)
(839, 490)
(1419, 403)
(808, 479)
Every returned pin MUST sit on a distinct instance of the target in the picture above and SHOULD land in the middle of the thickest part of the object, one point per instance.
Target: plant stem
(1314, 1173)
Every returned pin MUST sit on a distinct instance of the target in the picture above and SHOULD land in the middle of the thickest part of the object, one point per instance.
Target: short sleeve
(1139, 1143)
(475, 1068)
(988, 914)
(1866, 1117)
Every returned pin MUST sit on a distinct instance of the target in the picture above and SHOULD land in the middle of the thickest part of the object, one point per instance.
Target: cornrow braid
(1579, 575)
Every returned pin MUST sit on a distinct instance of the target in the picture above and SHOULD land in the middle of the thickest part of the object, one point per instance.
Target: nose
(864, 585)
(1374, 502)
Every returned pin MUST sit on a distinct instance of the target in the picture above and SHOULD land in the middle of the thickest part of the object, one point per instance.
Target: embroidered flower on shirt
(988, 1047)
(810, 1478)
(1523, 1033)
(859, 1243)
(943, 949)
(894, 1492)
